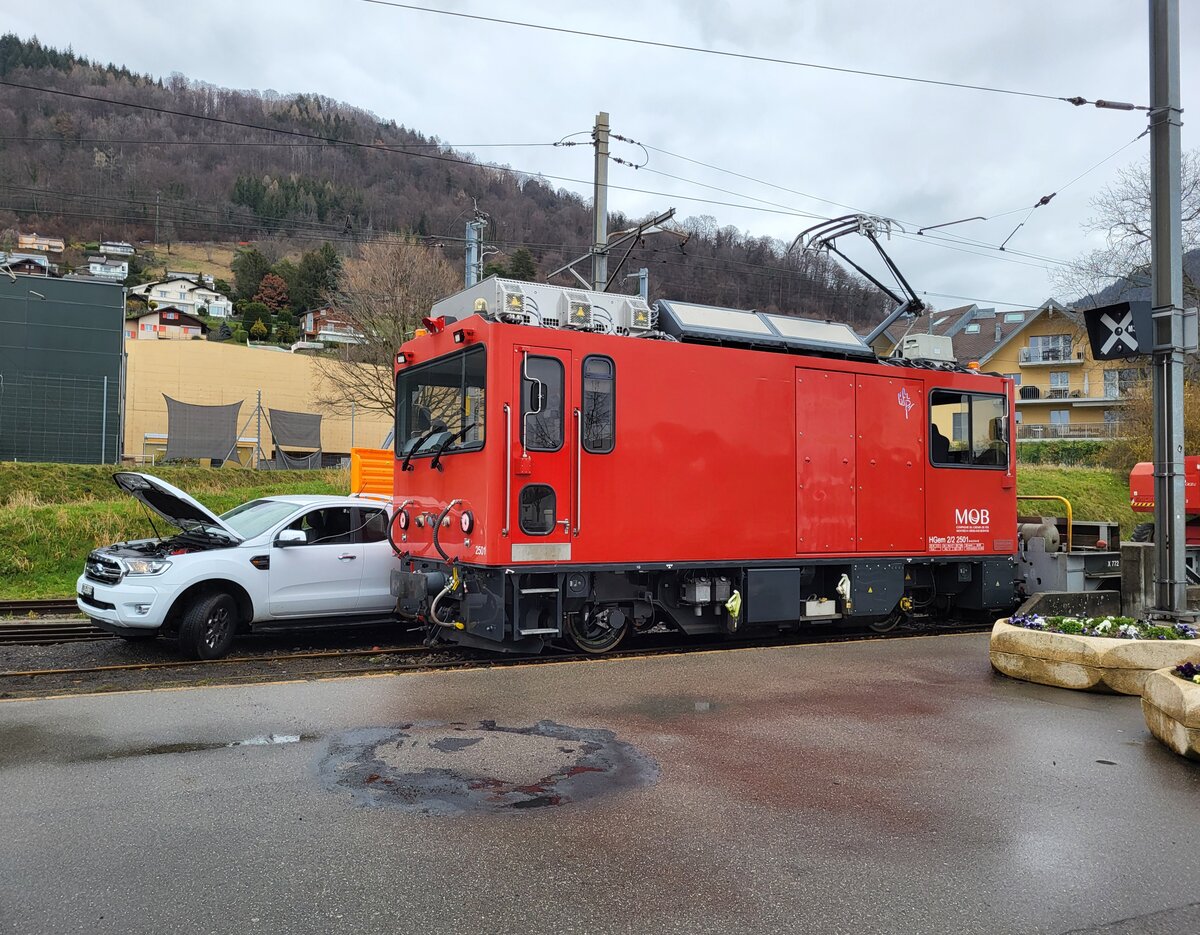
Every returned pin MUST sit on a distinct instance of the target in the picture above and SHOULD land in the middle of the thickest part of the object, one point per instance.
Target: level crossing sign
(1121, 330)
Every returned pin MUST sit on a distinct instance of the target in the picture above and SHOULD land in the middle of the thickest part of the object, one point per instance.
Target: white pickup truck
(273, 563)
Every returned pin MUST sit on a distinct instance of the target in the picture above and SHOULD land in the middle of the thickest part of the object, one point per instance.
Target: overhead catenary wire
(1075, 100)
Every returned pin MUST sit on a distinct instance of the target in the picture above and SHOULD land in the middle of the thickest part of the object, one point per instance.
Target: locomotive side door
(890, 423)
(541, 456)
(825, 465)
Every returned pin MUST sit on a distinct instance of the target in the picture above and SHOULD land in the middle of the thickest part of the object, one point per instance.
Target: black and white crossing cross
(1114, 330)
(1120, 332)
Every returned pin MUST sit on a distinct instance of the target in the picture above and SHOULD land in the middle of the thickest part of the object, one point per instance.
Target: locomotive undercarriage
(521, 609)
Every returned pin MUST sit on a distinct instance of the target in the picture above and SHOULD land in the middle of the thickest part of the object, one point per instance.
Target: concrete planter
(1087, 663)
(1171, 706)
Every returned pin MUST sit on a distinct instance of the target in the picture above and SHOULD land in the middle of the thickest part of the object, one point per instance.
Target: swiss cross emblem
(905, 402)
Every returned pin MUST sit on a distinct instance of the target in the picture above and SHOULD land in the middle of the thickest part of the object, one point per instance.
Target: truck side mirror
(288, 537)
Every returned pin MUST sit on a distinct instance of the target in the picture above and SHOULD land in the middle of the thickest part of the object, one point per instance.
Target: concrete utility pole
(600, 205)
(1166, 259)
(474, 256)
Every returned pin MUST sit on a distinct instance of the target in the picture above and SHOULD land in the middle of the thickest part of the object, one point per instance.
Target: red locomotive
(567, 466)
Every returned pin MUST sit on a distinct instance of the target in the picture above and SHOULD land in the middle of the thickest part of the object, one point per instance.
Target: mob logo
(972, 517)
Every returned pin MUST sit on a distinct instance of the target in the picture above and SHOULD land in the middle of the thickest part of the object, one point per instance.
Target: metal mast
(1166, 253)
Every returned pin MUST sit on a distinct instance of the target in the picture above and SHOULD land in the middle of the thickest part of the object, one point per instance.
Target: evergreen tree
(249, 268)
(522, 266)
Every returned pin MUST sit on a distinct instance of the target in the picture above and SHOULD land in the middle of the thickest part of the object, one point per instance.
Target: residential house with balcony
(329, 326)
(164, 324)
(41, 244)
(188, 293)
(101, 267)
(1061, 391)
(32, 264)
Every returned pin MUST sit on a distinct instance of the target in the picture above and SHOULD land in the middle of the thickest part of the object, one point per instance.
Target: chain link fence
(51, 417)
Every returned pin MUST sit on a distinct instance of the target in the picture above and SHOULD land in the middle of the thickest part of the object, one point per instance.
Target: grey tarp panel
(295, 429)
(286, 462)
(195, 431)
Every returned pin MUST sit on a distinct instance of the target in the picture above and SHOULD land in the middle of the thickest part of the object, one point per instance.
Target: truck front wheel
(208, 626)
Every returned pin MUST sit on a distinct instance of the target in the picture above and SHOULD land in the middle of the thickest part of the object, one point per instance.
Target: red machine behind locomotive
(566, 469)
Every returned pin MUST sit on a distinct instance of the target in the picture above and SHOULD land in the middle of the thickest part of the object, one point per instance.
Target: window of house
(1111, 416)
(972, 329)
(1060, 384)
(1118, 383)
(1013, 317)
(977, 429)
(1060, 416)
(1049, 347)
(1015, 377)
(598, 411)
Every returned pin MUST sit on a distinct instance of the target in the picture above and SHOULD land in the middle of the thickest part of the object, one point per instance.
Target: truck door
(541, 459)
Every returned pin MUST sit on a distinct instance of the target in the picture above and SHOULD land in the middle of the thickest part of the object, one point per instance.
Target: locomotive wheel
(1143, 532)
(599, 631)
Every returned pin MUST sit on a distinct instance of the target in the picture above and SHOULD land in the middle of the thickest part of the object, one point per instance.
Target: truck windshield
(436, 401)
(256, 517)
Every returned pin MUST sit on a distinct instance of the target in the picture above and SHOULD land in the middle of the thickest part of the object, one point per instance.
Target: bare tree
(1123, 217)
(382, 295)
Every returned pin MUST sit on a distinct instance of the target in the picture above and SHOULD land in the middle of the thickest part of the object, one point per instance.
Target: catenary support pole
(600, 205)
(1166, 244)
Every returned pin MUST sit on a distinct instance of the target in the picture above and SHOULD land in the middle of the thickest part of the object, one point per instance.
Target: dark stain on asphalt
(436, 768)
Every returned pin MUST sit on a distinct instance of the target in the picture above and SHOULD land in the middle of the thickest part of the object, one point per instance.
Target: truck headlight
(146, 566)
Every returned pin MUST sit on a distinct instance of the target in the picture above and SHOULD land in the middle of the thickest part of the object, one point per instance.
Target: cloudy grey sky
(919, 153)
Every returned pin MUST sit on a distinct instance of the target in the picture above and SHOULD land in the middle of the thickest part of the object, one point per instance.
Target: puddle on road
(448, 769)
(196, 747)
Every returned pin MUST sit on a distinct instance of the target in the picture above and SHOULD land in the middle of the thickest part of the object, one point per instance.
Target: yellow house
(1062, 392)
(217, 373)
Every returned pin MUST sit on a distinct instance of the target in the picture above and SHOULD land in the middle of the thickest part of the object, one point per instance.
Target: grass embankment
(1095, 494)
(52, 515)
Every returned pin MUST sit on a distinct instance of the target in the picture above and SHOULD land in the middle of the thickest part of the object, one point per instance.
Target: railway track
(49, 632)
(40, 623)
(315, 665)
(56, 607)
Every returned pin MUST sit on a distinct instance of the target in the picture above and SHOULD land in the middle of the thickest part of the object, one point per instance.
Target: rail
(43, 608)
(1063, 500)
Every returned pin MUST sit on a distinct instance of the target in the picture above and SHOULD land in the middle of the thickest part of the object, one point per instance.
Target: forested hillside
(87, 169)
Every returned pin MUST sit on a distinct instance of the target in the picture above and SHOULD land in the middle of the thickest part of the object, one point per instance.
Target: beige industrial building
(218, 373)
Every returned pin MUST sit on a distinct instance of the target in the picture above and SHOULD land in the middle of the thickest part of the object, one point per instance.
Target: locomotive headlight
(402, 519)
(467, 522)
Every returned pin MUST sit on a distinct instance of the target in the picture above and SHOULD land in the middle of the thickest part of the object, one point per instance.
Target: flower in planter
(1189, 670)
(1113, 627)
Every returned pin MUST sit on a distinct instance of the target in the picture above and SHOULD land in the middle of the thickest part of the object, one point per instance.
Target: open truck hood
(172, 504)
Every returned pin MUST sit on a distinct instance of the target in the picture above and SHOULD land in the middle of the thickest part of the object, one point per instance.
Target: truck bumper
(122, 607)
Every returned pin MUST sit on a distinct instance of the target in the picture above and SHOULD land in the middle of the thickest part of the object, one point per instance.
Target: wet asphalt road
(870, 787)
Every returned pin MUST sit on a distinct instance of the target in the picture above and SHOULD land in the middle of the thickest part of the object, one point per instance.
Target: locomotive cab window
(968, 429)
(441, 405)
(537, 508)
(598, 411)
(541, 403)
